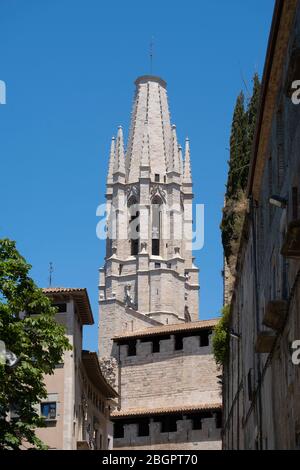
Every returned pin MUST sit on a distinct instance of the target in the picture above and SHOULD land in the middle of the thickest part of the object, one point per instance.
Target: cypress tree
(252, 110)
(238, 146)
(241, 142)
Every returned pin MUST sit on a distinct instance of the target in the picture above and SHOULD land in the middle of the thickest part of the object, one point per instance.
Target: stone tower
(149, 278)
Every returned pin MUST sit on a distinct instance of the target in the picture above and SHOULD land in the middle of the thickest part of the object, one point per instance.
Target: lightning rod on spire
(151, 54)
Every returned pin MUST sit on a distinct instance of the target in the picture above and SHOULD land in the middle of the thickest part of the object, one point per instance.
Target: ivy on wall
(220, 340)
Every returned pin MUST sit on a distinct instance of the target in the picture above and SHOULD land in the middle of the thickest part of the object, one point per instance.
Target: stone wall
(116, 319)
(261, 390)
(168, 377)
(207, 438)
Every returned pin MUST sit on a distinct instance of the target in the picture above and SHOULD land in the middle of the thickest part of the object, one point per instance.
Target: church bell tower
(149, 278)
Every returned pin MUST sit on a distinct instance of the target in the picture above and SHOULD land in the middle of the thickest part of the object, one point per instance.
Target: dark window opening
(218, 420)
(109, 247)
(132, 348)
(118, 430)
(157, 178)
(48, 410)
(197, 419)
(196, 423)
(169, 423)
(143, 428)
(155, 346)
(134, 247)
(134, 230)
(155, 247)
(157, 265)
(204, 338)
(120, 269)
(61, 308)
(178, 342)
(165, 179)
(156, 225)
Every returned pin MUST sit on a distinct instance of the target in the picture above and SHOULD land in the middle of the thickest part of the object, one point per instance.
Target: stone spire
(180, 159)
(174, 153)
(160, 228)
(119, 164)
(111, 161)
(151, 105)
(187, 163)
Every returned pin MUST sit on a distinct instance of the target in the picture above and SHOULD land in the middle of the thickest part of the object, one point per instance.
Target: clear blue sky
(69, 67)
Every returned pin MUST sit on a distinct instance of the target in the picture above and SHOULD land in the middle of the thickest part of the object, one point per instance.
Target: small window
(132, 348)
(134, 247)
(157, 265)
(196, 423)
(48, 410)
(178, 343)
(155, 346)
(118, 431)
(165, 179)
(120, 269)
(169, 265)
(134, 230)
(218, 420)
(155, 247)
(157, 178)
(204, 339)
(143, 428)
(61, 308)
(169, 423)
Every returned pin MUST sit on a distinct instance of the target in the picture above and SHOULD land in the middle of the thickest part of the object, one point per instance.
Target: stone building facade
(261, 381)
(169, 394)
(151, 343)
(77, 408)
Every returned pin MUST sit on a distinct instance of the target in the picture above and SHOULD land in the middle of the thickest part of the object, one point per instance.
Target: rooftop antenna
(50, 273)
(151, 54)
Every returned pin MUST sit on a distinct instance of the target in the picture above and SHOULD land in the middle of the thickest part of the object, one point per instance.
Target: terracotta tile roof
(81, 298)
(57, 290)
(166, 410)
(92, 367)
(168, 329)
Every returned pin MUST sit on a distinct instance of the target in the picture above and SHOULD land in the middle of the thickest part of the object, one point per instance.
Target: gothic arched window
(156, 225)
(134, 226)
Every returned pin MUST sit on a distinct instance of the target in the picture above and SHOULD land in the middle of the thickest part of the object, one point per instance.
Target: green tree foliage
(220, 340)
(241, 142)
(252, 114)
(238, 147)
(28, 329)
